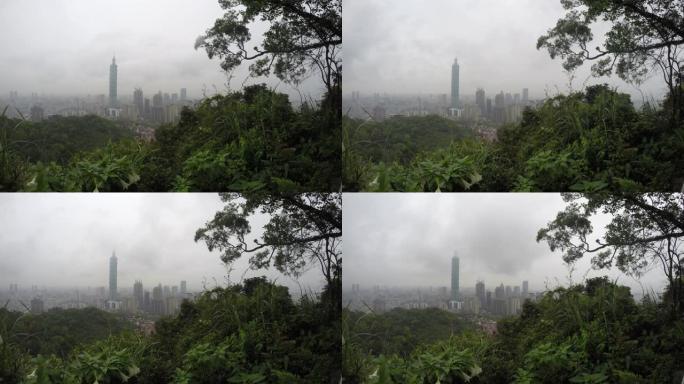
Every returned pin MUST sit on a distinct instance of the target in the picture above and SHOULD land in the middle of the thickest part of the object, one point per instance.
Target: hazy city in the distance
(142, 298)
(59, 250)
(483, 70)
(402, 255)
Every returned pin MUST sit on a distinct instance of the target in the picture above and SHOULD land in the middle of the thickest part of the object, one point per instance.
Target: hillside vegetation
(249, 333)
(246, 141)
(587, 141)
(589, 333)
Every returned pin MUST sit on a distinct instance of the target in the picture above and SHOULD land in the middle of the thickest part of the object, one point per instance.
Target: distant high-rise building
(112, 83)
(167, 291)
(516, 99)
(138, 295)
(174, 291)
(147, 107)
(525, 95)
(499, 108)
(174, 98)
(167, 99)
(158, 107)
(454, 85)
(488, 114)
(524, 288)
(112, 276)
(480, 293)
(157, 302)
(157, 292)
(480, 101)
(499, 292)
(184, 284)
(139, 101)
(516, 291)
(37, 306)
(509, 291)
(37, 113)
(146, 301)
(183, 94)
(454, 278)
(157, 100)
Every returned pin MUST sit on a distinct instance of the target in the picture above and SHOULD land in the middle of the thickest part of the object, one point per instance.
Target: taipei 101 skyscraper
(112, 277)
(112, 83)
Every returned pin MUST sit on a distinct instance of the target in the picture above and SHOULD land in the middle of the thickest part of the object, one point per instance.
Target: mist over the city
(65, 241)
(408, 47)
(408, 240)
(65, 48)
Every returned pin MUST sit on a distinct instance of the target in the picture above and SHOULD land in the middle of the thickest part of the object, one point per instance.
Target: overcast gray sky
(408, 46)
(409, 239)
(66, 46)
(66, 240)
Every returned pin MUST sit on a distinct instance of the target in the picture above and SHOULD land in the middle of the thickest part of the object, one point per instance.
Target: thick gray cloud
(408, 46)
(408, 240)
(65, 47)
(66, 240)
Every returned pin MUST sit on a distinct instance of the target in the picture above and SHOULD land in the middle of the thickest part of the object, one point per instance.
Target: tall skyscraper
(480, 101)
(454, 85)
(499, 292)
(138, 295)
(525, 95)
(480, 293)
(454, 278)
(112, 83)
(183, 287)
(524, 288)
(112, 276)
(183, 94)
(138, 101)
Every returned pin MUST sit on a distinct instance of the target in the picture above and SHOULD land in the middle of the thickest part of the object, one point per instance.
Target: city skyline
(409, 238)
(153, 42)
(153, 235)
(495, 44)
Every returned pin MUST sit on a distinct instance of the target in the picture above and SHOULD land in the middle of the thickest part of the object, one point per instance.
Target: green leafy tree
(643, 229)
(301, 229)
(643, 34)
(302, 35)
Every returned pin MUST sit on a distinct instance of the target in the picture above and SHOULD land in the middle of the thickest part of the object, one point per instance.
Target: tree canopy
(644, 229)
(643, 35)
(302, 35)
(301, 229)
(641, 31)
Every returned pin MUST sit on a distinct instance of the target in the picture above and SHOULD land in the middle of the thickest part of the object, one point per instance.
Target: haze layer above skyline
(408, 46)
(66, 240)
(408, 240)
(64, 47)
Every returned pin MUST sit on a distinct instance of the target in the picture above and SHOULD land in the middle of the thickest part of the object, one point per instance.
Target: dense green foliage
(400, 331)
(400, 139)
(252, 140)
(247, 141)
(249, 333)
(591, 333)
(586, 141)
(58, 138)
(59, 331)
